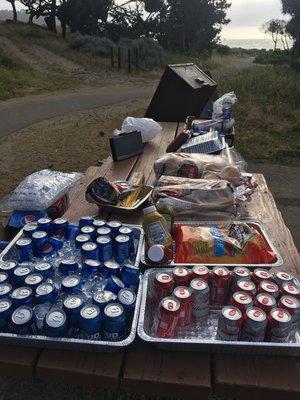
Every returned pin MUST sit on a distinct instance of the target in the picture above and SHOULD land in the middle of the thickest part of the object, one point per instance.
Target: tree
(13, 4)
(41, 8)
(275, 28)
(292, 7)
(194, 25)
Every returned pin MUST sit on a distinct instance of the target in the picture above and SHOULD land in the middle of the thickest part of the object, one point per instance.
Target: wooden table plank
(80, 368)
(17, 360)
(172, 374)
(261, 377)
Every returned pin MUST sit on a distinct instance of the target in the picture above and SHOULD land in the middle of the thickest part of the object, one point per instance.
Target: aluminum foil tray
(71, 343)
(123, 210)
(200, 335)
(256, 224)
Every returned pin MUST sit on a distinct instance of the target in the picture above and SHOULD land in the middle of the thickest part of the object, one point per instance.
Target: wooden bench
(143, 369)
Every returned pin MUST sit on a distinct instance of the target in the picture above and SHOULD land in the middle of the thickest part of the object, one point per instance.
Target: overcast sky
(246, 17)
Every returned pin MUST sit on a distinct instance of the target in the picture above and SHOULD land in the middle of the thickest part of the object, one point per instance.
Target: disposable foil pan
(200, 336)
(72, 343)
(256, 224)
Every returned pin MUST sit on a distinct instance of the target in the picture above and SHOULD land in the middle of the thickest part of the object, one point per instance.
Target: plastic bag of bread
(222, 243)
(195, 197)
(188, 165)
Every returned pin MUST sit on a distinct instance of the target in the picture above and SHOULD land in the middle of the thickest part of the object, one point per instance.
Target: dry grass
(69, 143)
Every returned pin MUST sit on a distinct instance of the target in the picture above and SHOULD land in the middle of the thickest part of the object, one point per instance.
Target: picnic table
(143, 369)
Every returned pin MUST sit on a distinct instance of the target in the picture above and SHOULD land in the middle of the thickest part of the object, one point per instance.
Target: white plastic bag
(147, 126)
(39, 190)
(226, 101)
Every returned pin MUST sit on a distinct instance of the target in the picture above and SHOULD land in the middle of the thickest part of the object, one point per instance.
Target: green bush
(278, 57)
(151, 54)
(223, 49)
(97, 46)
(5, 61)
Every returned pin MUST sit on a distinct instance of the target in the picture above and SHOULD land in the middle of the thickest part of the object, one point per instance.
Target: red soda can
(240, 273)
(230, 323)
(181, 276)
(220, 285)
(292, 305)
(201, 271)
(163, 286)
(265, 301)
(169, 309)
(185, 297)
(268, 287)
(279, 325)
(255, 324)
(280, 277)
(289, 289)
(260, 274)
(201, 293)
(241, 300)
(244, 285)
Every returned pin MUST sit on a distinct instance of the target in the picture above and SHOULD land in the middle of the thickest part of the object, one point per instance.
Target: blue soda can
(89, 251)
(125, 230)
(89, 321)
(90, 267)
(6, 310)
(41, 244)
(99, 223)
(122, 248)
(105, 248)
(72, 232)
(45, 293)
(89, 230)
(72, 306)
(81, 239)
(5, 290)
(114, 284)
(114, 323)
(111, 268)
(25, 249)
(3, 277)
(55, 323)
(21, 296)
(29, 229)
(106, 231)
(71, 283)
(33, 280)
(130, 276)
(101, 299)
(67, 267)
(20, 274)
(45, 224)
(114, 226)
(56, 244)
(22, 321)
(127, 298)
(60, 227)
(8, 267)
(44, 268)
(86, 221)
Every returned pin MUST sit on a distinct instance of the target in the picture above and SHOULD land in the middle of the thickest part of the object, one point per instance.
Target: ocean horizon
(252, 43)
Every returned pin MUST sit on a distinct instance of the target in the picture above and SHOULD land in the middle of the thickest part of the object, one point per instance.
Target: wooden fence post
(129, 61)
(112, 61)
(119, 57)
(137, 66)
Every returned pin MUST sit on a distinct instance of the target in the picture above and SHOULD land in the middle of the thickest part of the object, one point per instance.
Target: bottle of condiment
(158, 239)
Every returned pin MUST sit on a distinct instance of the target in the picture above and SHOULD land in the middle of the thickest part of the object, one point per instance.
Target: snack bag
(221, 244)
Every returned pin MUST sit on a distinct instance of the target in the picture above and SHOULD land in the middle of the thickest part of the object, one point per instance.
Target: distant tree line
(180, 25)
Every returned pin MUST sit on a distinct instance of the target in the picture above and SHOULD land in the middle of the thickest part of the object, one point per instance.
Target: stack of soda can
(253, 306)
(73, 281)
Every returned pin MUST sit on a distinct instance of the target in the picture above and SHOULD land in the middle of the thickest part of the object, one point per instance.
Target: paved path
(16, 114)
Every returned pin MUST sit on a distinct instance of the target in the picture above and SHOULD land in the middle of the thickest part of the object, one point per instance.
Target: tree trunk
(30, 20)
(14, 10)
(63, 28)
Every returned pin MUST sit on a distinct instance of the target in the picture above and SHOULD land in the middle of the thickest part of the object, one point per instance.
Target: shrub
(223, 49)
(151, 54)
(5, 61)
(97, 46)
(278, 57)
